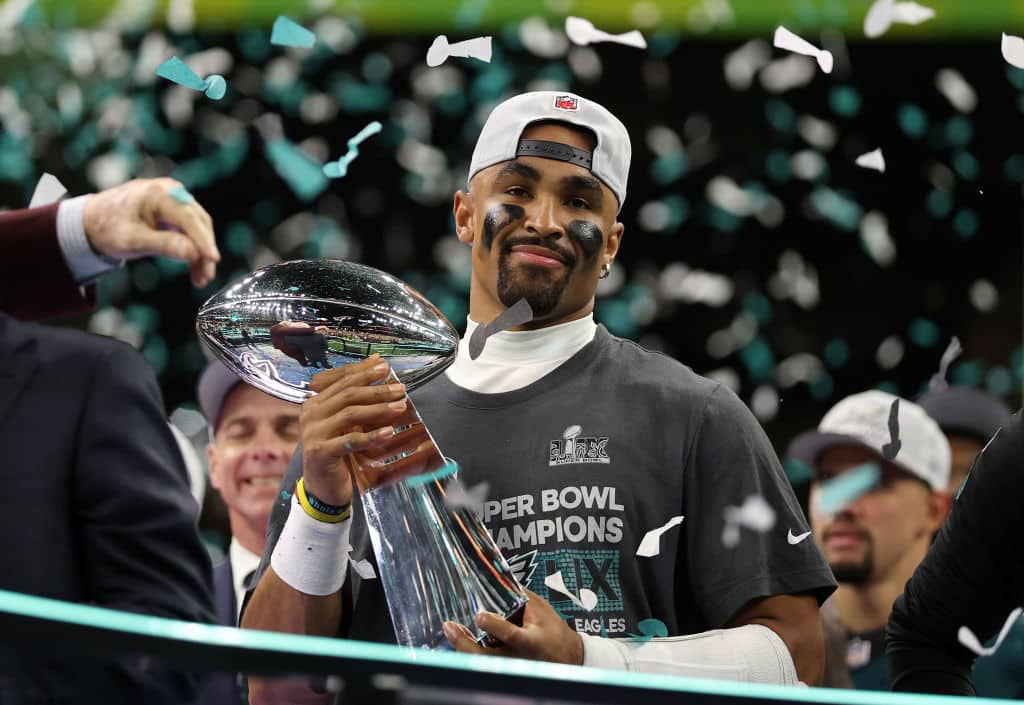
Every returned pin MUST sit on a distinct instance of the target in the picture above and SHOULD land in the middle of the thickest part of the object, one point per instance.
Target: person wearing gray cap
(897, 461)
(252, 437)
(589, 443)
(968, 417)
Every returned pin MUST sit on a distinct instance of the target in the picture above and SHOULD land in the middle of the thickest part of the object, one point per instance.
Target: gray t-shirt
(582, 464)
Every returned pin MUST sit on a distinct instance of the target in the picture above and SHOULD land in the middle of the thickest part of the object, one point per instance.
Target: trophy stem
(436, 563)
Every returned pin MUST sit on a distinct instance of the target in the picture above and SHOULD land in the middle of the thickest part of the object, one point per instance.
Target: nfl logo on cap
(566, 102)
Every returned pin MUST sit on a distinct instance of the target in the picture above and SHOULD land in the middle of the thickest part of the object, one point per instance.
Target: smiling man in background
(253, 436)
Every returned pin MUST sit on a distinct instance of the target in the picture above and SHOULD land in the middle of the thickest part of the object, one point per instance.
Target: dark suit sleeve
(973, 576)
(35, 282)
(141, 550)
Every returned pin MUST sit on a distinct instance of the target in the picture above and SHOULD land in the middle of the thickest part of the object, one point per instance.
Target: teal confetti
(836, 353)
(177, 71)
(999, 381)
(913, 121)
(798, 473)
(848, 487)
(844, 101)
(649, 629)
(759, 360)
(841, 210)
(821, 387)
(181, 195)
(965, 223)
(338, 169)
(923, 333)
(290, 34)
(303, 174)
(449, 468)
(757, 305)
(966, 165)
(968, 373)
(286, 495)
(939, 203)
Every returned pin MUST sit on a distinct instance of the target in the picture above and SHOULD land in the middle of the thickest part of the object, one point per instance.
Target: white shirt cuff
(84, 263)
(599, 652)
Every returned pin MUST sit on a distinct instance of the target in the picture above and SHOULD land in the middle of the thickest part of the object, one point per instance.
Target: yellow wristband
(318, 514)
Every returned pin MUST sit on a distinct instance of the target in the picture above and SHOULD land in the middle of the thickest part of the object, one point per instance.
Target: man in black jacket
(972, 577)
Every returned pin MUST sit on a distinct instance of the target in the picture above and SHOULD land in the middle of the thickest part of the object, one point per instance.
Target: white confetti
(555, 582)
(966, 637)
(1013, 50)
(650, 546)
(588, 598)
(787, 73)
(457, 496)
(583, 32)
(48, 190)
(364, 569)
(440, 50)
(755, 514)
(951, 84)
(872, 160)
(884, 13)
(784, 39)
(874, 235)
(742, 65)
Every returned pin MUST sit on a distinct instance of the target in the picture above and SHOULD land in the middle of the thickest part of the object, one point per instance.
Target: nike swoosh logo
(794, 540)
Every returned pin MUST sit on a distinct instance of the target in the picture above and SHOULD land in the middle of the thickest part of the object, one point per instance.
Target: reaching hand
(544, 635)
(142, 218)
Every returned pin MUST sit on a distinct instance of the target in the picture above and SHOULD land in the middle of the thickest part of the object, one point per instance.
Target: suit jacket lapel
(18, 361)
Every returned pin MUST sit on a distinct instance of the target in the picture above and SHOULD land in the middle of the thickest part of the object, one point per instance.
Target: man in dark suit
(252, 437)
(95, 509)
(48, 253)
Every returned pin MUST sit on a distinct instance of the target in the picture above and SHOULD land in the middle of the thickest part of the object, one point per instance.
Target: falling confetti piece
(1013, 50)
(181, 195)
(48, 190)
(649, 629)
(951, 353)
(956, 89)
(364, 569)
(457, 496)
(884, 13)
(440, 50)
(650, 546)
(449, 468)
(583, 32)
(754, 514)
(556, 583)
(966, 637)
(291, 34)
(872, 160)
(588, 598)
(336, 170)
(177, 71)
(302, 173)
(891, 449)
(515, 315)
(784, 39)
(848, 487)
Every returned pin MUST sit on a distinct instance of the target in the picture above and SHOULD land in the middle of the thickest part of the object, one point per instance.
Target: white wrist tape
(310, 555)
(752, 653)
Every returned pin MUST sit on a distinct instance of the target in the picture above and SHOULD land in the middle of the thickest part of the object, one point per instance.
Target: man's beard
(854, 572)
(542, 290)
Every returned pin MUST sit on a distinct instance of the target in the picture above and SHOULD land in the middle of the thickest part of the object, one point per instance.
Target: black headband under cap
(555, 150)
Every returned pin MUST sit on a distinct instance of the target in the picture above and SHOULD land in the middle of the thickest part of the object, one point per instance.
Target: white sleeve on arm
(84, 263)
(752, 653)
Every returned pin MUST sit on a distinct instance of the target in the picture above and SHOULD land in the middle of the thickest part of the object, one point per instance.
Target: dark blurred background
(756, 251)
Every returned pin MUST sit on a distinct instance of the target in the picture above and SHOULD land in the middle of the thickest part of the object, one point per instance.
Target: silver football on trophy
(282, 324)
